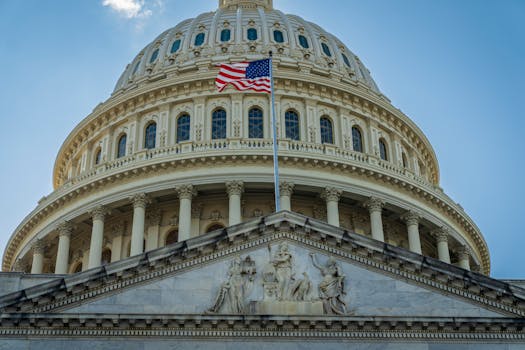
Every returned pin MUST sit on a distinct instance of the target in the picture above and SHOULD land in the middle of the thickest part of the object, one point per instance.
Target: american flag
(245, 76)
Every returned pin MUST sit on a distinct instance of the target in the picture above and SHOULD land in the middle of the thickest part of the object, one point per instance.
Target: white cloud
(128, 8)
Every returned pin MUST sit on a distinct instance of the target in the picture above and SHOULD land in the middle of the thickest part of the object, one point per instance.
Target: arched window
(357, 140)
(151, 135)
(225, 35)
(218, 124)
(214, 227)
(251, 34)
(278, 36)
(303, 42)
(382, 149)
(291, 123)
(199, 39)
(404, 159)
(183, 128)
(175, 46)
(154, 56)
(136, 67)
(345, 59)
(326, 50)
(172, 237)
(255, 123)
(98, 156)
(121, 151)
(327, 134)
(106, 257)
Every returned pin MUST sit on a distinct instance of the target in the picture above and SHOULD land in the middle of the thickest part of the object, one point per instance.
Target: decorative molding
(331, 194)
(411, 218)
(234, 187)
(374, 204)
(440, 234)
(186, 191)
(65, 228)
(286, 188)
(99, 212)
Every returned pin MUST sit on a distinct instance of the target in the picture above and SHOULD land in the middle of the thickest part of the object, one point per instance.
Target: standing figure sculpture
(332, 287)
(230, 298)
(282, 262)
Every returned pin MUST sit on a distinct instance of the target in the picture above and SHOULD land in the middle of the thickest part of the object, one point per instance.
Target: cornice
(436, 199)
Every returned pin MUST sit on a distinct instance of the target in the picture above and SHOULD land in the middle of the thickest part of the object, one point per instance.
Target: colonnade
(234, 189)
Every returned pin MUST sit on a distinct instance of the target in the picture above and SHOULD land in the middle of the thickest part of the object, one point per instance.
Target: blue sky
(454, 67)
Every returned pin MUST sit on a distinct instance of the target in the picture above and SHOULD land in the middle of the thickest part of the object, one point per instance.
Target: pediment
(330, 272)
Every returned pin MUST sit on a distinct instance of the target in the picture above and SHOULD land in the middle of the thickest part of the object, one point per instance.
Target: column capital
(286, 188)
(20, 266)
(464, 252)
(140, 200)
(440, 234)
(154, 217)
(331, 194)
(234, 187)
(374, 204)
(65, 228)
(99, 212)
(38, 246)
(186, 191)
(411, 218)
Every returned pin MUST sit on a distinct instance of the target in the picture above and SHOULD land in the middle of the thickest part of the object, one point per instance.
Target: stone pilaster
(116, 235)
(332, 196)
(196, 213)
(154, 218)
(441, 234)
(38, 248)
(140, 201)
(375, 208)
(186, 193)
(286, 190)
(97, 236)
(64, 238)
(411, 219)
(235, 189)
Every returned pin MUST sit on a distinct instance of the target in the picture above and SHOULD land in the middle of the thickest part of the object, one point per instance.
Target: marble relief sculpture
(332, 287)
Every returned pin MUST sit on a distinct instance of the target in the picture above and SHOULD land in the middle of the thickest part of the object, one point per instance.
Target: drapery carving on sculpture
(332, 287)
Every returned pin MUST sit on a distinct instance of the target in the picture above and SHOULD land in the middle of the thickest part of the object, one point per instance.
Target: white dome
(223, 36)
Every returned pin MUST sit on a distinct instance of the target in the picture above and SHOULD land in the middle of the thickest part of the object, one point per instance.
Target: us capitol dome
(167, 158)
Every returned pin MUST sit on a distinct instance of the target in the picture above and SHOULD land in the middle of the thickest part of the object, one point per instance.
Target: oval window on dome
(252, 34)
(278, 36)
(326, 50)
(303, 42)
(175, 46)
(345, 59)
(154, 56)
(225, 35)
(199, 39)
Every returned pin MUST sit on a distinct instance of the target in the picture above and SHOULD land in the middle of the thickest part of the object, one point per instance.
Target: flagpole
(274, 136)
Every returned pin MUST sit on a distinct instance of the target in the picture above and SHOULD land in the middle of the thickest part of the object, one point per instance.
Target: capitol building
(162, 230)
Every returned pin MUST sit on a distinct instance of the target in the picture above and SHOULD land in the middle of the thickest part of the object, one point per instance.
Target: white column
(412, 220)
(97, 236)
(375, 208)
(196, 212)
(140, 200)
(286, 190)
(152, 239)
(38, 256)
(332, 195)
(441, 235)
(186, 193)
(235, 189)
(117, 233)
(64, 237)
(464, 257)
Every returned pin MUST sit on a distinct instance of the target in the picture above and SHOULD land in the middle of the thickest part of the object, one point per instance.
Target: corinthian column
(375, 208)
(38, 256)
(234, 188)
(64, 237)
(412, 220)
(186, 193)
(441, 235)
(464, 257)
(140, 201)
(332, 195)
(97, 236)
(286, 190)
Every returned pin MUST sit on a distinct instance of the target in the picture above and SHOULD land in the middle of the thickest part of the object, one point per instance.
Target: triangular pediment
(238, 271)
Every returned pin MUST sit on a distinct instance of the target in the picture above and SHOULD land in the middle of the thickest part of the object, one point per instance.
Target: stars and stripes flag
(245, 76)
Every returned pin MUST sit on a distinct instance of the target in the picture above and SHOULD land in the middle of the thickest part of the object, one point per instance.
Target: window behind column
(255, 123)
(291, 123)
(218, 124)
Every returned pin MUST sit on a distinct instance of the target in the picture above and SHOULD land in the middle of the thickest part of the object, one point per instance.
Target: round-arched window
(278, 36)
(327, 134)
(106, 256)
(382, 149)
(199, 39)
(175, 46)
(183, 128)
(154, 56)
(291, 123)
(150, 136)
(172, 237)
(218, 124)
(251, 33)
(255, 123)
(357, 141)
(121, 151)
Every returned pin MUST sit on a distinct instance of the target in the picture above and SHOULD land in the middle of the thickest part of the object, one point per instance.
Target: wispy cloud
(129, 8)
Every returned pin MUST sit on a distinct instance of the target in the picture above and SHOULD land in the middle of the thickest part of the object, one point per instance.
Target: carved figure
(282, 262)
(301, 289)
(231, 293)
(332, 287)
